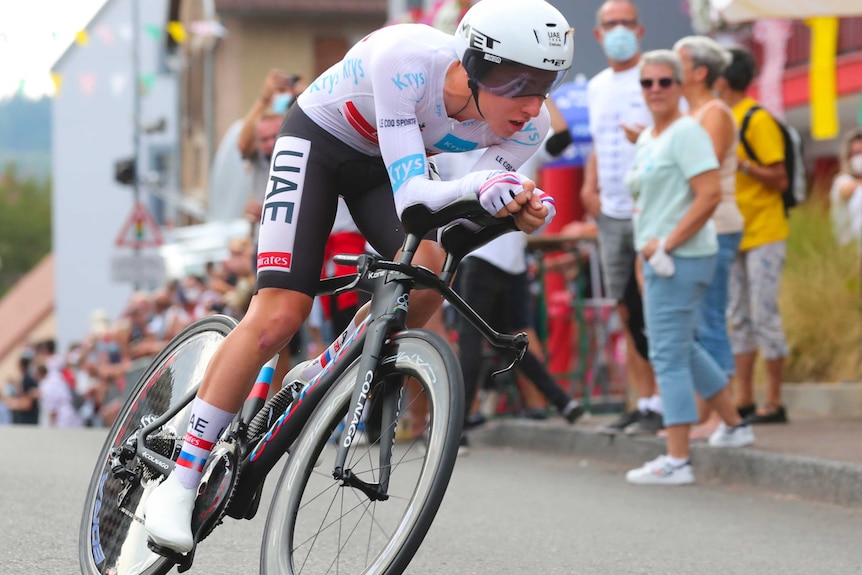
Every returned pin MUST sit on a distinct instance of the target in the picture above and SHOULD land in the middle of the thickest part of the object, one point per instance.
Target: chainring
(218, 484)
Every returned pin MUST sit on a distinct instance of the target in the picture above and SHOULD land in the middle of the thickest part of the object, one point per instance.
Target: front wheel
(112, 539)
(317, 524)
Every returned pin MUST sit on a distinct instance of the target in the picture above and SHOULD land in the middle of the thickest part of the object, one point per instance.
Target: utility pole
(136, 117)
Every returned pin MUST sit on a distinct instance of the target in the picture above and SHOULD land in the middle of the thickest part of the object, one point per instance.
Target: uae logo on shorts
(276, 261)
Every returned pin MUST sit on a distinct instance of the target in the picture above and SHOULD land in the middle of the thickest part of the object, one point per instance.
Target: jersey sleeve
(399, 85)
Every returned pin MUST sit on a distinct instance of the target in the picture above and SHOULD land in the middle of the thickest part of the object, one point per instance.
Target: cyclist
(364, 130)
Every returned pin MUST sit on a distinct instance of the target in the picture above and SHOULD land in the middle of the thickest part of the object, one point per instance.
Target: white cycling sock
(206, 425)
(324, 359)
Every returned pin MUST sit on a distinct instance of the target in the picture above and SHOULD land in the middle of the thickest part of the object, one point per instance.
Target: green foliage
(25, 225)
(821, 301)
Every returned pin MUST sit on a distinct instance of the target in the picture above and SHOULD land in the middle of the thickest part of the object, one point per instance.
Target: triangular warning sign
(140, 230)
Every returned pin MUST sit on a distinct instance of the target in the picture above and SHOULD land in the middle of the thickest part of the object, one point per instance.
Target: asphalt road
(506, 512)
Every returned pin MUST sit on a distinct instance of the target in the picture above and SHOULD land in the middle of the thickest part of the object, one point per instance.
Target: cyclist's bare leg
(273, 317)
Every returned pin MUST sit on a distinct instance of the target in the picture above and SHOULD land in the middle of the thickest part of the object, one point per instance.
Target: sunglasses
(664, 83)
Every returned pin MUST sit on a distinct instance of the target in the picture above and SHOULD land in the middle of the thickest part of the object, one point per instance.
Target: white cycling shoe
(168, 515)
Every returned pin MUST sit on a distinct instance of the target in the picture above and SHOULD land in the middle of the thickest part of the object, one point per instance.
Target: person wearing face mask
(846, 195)
(617, 112)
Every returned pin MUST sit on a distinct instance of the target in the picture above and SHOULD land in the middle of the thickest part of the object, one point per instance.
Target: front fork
(388, 318)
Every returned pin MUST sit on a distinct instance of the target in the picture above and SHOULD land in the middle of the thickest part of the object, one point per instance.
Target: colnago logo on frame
(282, 204)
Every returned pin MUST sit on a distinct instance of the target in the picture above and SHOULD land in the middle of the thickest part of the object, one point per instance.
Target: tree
(25, 225)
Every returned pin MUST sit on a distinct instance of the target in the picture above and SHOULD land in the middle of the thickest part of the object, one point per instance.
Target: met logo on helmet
(477, 39)
(554, 61)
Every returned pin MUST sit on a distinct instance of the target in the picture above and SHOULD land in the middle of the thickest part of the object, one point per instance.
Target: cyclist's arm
(403, 149)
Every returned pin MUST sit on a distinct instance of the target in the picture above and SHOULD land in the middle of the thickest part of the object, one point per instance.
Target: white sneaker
(168, 515)
(738, 436)
(660, 471)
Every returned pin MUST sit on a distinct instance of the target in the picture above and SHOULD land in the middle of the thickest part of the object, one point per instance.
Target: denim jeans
(712, 312)
(681, 364)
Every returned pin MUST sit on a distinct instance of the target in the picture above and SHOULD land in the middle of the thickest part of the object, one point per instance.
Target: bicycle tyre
(112, 540)
(429, 360)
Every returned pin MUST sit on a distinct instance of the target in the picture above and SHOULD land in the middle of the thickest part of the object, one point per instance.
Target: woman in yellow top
(755, 276)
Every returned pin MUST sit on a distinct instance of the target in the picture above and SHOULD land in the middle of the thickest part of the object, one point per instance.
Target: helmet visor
(508, 79)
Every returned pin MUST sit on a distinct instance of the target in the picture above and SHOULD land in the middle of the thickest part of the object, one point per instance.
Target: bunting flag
(88, 83)
(146, 83)
(208, 29)
(105, 34)
(822, 81)
(108, 35)
(118, 84)
(177, 31)
(57, 78)
(154, 31)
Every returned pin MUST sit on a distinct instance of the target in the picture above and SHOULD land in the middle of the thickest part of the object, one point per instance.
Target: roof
(23, 307)
(306, 7)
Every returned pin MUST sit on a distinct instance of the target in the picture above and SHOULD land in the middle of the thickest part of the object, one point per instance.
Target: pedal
(183, 562)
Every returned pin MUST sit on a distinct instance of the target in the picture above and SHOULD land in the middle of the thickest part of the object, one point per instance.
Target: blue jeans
(712, 312)
(681, 365)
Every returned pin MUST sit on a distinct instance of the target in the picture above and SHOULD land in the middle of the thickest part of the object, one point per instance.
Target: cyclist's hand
(504, 193)
(537, 213)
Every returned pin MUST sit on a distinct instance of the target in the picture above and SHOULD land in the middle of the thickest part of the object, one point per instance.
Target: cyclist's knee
(275, 315)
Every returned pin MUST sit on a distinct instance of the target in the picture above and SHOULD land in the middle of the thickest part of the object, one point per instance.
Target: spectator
(703, 61)
(846, 195)
(134, 328)
(755, 276)
(23, 401)
(617, 112)
(56, 399)
(675, 182)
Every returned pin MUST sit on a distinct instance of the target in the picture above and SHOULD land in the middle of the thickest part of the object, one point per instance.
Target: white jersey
(615, 98)
(385, 98)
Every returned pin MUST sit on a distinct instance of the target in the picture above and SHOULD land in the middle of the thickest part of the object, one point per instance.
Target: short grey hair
(667, 58)
(606, 2)
(706, 52)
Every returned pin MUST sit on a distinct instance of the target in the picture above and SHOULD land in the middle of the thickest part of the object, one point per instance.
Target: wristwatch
(745, 167)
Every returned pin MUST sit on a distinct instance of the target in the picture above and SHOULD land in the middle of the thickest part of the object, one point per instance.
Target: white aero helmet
(515, 48)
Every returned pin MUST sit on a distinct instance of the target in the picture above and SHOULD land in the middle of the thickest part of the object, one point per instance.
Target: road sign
(139, 268)
(140, 230)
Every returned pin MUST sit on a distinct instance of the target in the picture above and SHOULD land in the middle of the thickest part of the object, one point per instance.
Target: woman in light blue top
(675, 182)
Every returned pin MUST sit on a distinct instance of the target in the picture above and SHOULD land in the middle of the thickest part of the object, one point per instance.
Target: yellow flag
(82, 38)
(57, 78)
(822, 82)
(177, 31)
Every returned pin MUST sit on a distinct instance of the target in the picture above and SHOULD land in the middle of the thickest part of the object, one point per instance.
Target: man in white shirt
(617, 112)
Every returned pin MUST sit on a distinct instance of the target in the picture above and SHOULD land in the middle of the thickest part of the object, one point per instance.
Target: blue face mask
(281, 102)
(620, 44)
